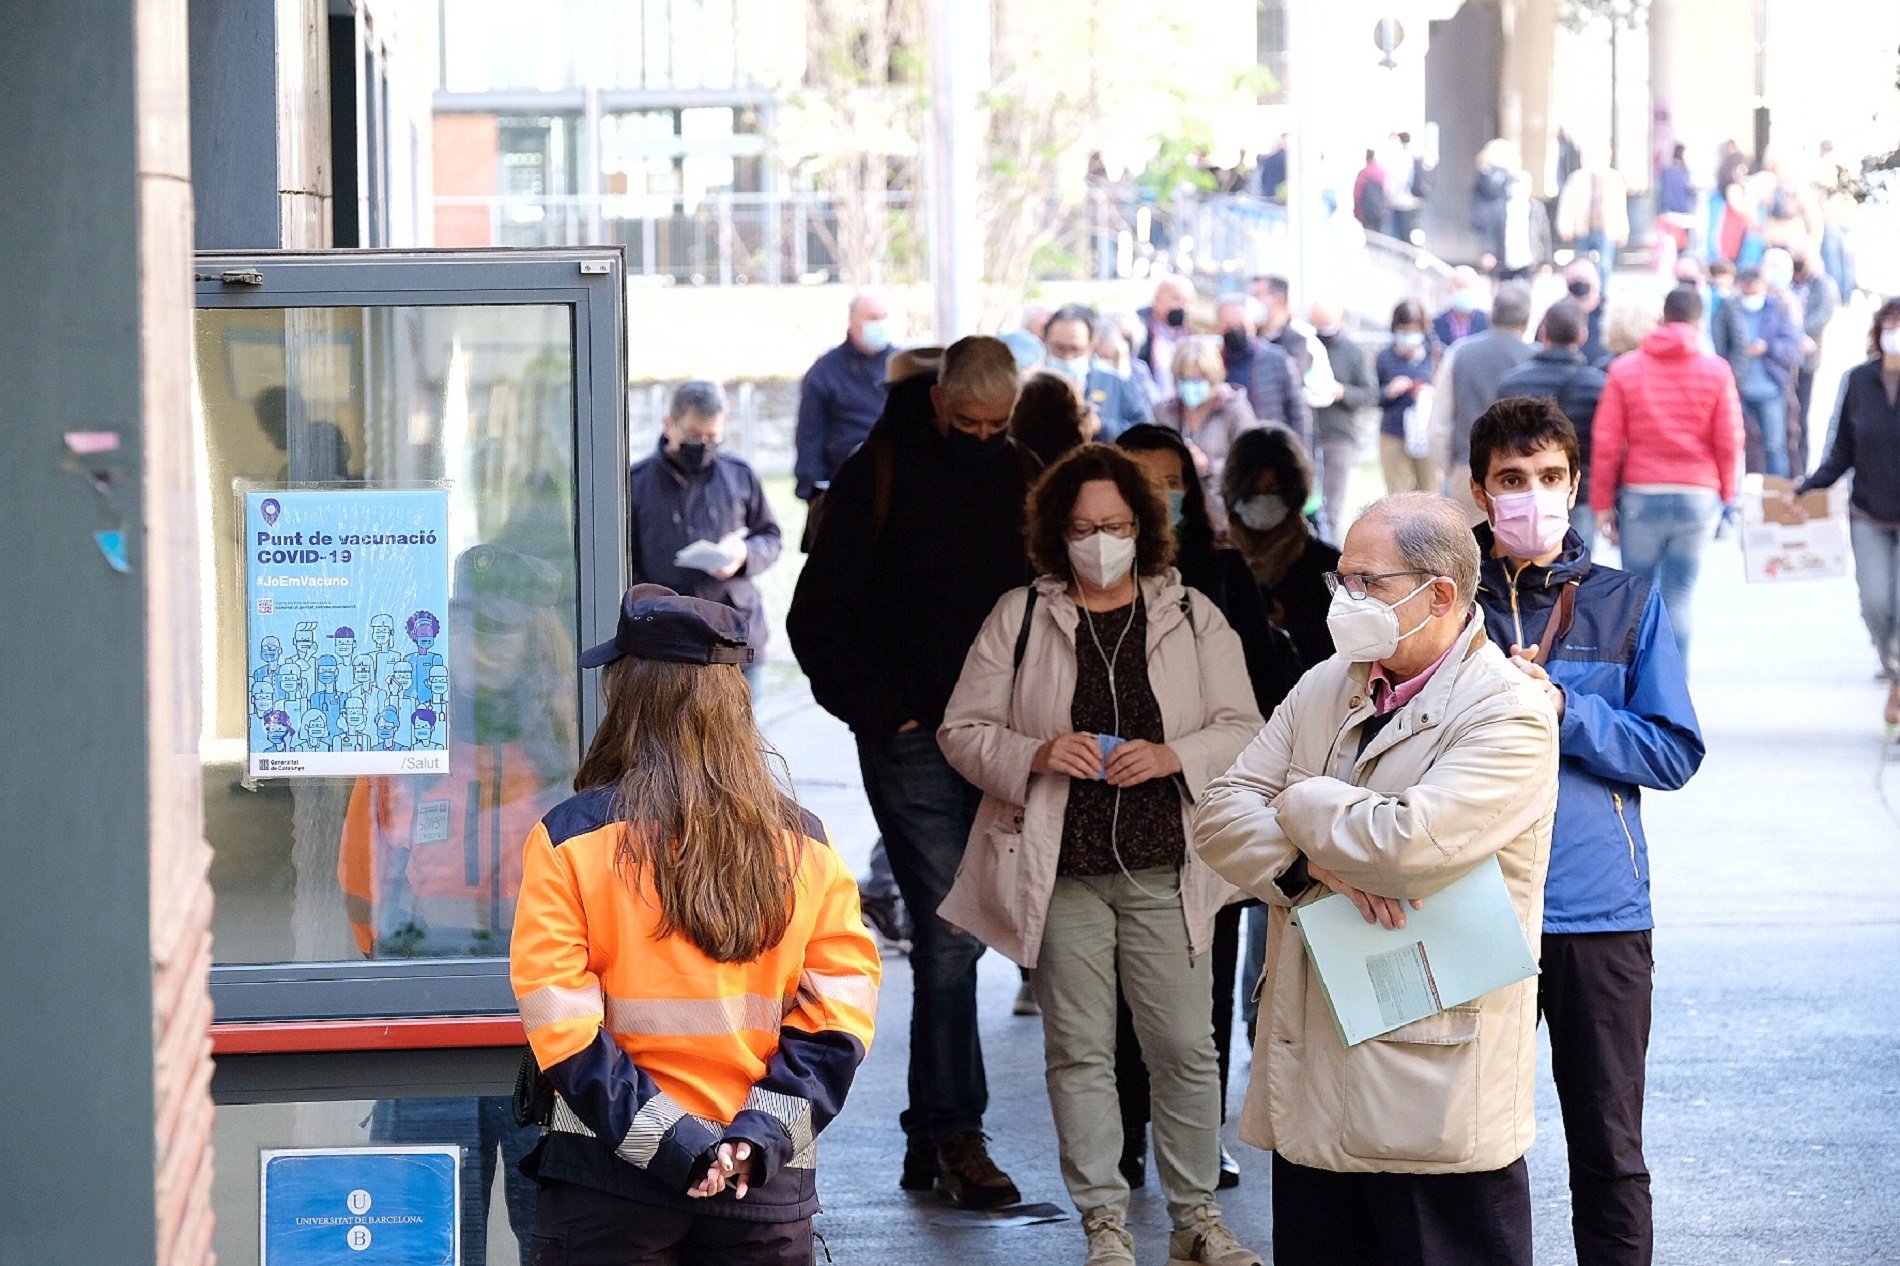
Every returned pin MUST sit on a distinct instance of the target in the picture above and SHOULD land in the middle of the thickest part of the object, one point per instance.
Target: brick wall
(180, 892)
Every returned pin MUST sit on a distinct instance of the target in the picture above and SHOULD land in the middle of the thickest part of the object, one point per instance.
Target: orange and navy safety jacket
(658, 1053)
(428, 862)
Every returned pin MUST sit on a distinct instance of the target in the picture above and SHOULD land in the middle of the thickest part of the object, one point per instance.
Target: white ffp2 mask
(1366, 630)
(1101, 559)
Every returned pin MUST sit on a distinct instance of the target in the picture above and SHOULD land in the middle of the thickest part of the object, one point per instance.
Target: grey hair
(978, 367)
(1511, 307)
(698, 398)
(1255, 311)
(1432, 534)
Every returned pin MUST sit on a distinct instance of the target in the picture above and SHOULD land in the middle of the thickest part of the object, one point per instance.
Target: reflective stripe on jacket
(657, 1051)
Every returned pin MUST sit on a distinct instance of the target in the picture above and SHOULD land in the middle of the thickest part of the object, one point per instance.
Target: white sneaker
(1207, 1242)
(1110, 1244)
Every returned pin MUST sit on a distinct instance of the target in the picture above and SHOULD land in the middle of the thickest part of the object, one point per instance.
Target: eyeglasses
(1355, 583)
(1120, 529)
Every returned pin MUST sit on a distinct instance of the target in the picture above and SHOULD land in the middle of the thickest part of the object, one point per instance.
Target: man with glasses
(922, 535)
(1414, 754)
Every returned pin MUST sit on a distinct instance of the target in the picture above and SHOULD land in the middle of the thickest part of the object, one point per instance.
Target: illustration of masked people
(293, 689)
(316, 733)
(363, 683)
(423, 628)
(327, 696)
(430, 864)
(422, 730)
(303, 645)
(399, 688)
(388, 722)
(438, 687)
(277, 731)
(344, 642)
(270, 654)
(382, 646)
(355, 736)
(263, 703)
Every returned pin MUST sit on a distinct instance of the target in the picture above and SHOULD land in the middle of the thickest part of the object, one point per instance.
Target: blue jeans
(1767, 416)
(925, 810)
(1877, 571)
(1599, 244)
(1663, 535)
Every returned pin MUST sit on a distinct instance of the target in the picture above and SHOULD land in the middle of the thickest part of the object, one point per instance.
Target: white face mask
(1366, 630)
(1101, 559)
(1076, 368)
(1890, 341)
(1262, 512)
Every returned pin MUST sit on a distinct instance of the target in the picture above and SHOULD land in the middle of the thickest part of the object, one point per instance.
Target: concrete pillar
(1530, 51)
(106, 932)
(959, 39)
(260, 139)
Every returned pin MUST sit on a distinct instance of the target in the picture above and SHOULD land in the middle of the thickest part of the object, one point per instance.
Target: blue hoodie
(1628, 724)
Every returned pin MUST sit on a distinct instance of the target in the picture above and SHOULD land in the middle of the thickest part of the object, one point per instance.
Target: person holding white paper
(698, 521)
(1394, 768)
(1598, 641)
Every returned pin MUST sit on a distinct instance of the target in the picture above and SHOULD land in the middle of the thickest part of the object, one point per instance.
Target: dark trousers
(925, 810)
(1321, 1218)
(1594, 992)
(578, 1226)
(1131, 1072)
(1804, 404)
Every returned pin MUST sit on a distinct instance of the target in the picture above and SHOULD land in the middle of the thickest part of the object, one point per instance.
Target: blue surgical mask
(1195, 392)
(1464, 301)
(1754, 303)
(1076, 369)
(876, 336)
(1408, 341)
(1262, 512)
(1177, 504)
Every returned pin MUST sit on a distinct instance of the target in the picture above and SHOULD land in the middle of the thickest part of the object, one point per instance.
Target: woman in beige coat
(1091, 711)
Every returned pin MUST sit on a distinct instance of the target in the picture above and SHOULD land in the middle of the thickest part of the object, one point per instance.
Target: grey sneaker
(1207, 1242)
(1110, 1244)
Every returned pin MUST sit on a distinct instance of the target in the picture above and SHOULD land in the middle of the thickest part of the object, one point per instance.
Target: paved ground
(1774, 1074)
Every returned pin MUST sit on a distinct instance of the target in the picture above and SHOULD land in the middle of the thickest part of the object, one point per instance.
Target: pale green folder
(1463, 944)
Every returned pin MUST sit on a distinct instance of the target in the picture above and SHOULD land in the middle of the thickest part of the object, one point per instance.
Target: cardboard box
(1801, 539)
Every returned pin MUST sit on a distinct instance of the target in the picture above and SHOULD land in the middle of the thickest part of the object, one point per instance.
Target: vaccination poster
(347, 599)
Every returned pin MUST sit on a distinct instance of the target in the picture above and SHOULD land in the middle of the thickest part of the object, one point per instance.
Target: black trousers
(1595, 993)
(1131, 1073)
(1321, 1218)
(1804, 403)
(579, 1226)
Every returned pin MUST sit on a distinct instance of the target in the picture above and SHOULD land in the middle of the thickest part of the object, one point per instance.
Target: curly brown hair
(1889, 311)
(1052, 500)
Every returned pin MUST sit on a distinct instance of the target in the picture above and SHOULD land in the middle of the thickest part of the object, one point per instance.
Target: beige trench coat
(992, 731)
(1465, 771)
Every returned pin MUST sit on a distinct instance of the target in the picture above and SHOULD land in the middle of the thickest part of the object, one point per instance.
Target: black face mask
(970, 452)
(1233, 344)
(1177, 318)
(695, 456)
(1579, 289)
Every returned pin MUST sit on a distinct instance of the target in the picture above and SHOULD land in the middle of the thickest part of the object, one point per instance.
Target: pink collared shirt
(1388, 697)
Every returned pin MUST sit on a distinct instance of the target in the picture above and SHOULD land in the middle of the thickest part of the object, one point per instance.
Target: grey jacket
(1468, 385)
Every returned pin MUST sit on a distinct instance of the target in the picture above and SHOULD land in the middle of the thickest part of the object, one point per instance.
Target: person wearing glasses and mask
(1094, 706)
(1069, 340)
(1414, 754)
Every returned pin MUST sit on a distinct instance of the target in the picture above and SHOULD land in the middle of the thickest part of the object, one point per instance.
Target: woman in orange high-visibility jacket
(691, 967)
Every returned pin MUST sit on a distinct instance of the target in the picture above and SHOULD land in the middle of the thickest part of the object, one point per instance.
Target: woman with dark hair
(1273, 669)
(1405, 369)
(683, 879)
(1049, 418)
(1268, 481)
(1867, 442)
(1094, 706)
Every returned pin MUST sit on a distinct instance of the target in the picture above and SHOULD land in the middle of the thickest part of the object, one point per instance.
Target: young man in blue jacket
(1599, 641)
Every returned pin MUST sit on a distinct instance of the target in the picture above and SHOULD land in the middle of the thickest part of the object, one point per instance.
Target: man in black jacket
(1558, 370)
(922, 534)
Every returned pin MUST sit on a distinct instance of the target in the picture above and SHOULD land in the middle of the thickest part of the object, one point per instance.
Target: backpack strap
(1563, 613)
(1022, 636)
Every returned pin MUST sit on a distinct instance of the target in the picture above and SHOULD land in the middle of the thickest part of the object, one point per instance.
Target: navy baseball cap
(656, 623)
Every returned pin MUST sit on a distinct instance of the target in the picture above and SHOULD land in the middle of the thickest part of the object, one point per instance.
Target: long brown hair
(693, 785)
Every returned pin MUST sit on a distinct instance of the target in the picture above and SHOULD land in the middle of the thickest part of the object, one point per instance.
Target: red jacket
(1669, 414)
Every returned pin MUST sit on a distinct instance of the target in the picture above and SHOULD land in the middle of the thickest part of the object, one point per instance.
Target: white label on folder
(1402, 980)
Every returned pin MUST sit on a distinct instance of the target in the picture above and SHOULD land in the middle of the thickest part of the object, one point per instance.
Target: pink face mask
(1531, 524)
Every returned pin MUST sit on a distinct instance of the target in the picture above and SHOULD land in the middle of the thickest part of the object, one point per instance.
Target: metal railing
(1116, 232)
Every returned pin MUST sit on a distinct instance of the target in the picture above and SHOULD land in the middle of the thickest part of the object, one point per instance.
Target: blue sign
(347, 606)
(361, 1206)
